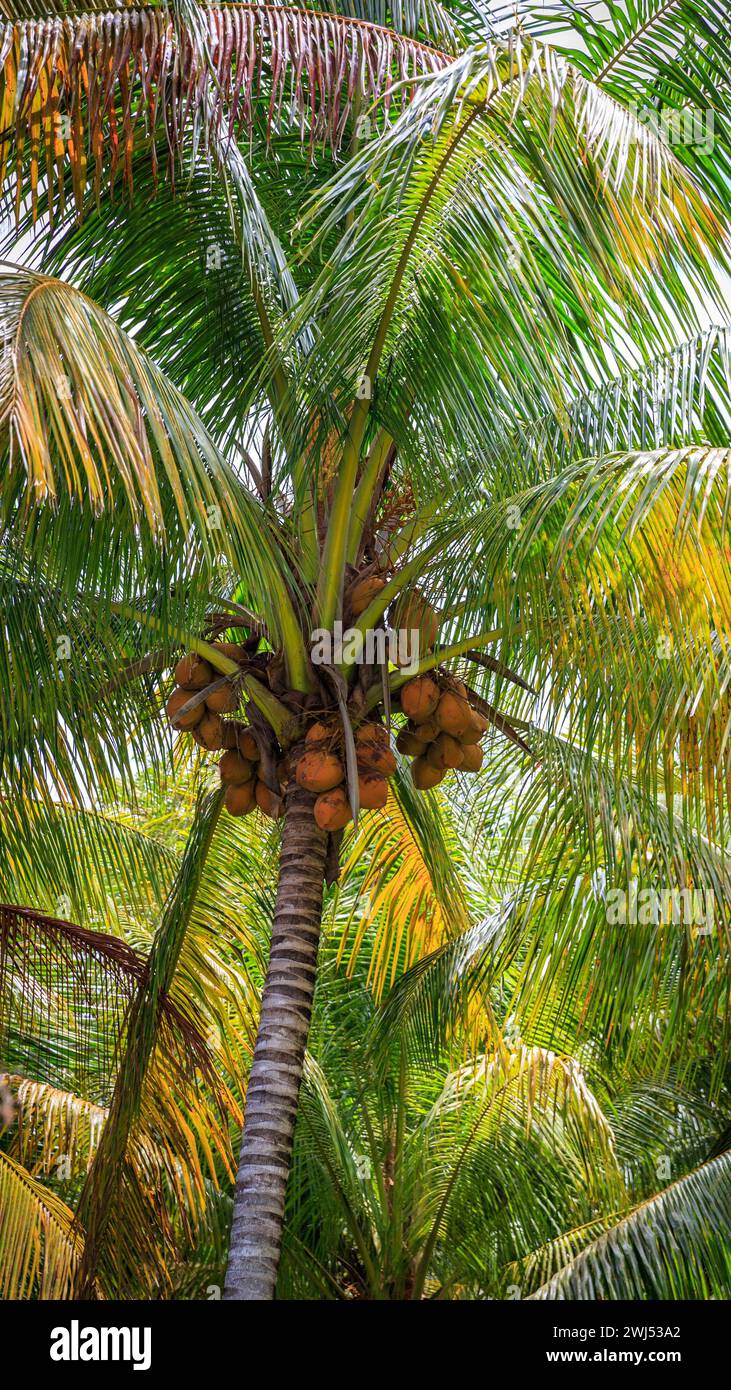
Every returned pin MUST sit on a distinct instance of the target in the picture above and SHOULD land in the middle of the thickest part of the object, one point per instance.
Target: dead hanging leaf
(267, 745)
(340, 687)
(78, 91)
(491, 663)
(497, 719)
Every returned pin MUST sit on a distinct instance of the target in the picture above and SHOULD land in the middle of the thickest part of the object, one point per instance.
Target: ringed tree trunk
(276, 1072)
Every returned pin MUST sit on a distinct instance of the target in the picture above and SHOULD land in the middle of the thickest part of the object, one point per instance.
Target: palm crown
(313, 307)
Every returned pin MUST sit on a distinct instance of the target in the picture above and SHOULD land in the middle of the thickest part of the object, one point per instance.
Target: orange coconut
(373, 750)
(223, 701)
(268, 801)
(372, 791)
(473, 755)
(239, 798)
(409, 743)
(427, 732)
(445, 752)
(319, 772)
(474, 731)
(233, 768)
(419, 698)
(232, 650)
(453, 714)
(363, 593)
(320, 734)
(175, 703)
(413, 611)
(332, 810)
(193, 673)
(424, 776)
(236, 735)
(209, 732)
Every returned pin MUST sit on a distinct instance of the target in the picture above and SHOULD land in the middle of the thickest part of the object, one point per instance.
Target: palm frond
(69, 84)
(39, 1243)
(679, 397)
(102, 1204)
(56, 1133)
(507, 219)
(91, 862)
(410, 896)
(669, 1247)
(669, 59)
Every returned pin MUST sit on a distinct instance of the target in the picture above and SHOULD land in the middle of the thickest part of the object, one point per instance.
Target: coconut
(209, 732)
(373, 750)
(419, 698)
(474, 731)
(409, 743)
(445, 752)
(381, 760)
(413, 611)
(424, 776)
(363, 593)
(426, 733)
(232, 650)
(236, 735)
(239, 798)
(233, 768)
(223, 701)
(268, 801)
(320, 734)
(193, 673)
(177, 700)
(332, 810)
(372, 791)
(453, 714)
(473, 755)
(372, 733)
(319, 772)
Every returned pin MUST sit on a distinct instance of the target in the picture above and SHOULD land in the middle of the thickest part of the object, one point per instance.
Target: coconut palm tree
(477, 1160)
(318, 320)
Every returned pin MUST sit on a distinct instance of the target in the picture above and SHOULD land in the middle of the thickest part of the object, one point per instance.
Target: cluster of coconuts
(239, 766)
(443, 731)
(321, 769)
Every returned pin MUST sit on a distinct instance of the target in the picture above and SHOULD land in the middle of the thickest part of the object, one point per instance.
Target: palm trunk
(276, 1073)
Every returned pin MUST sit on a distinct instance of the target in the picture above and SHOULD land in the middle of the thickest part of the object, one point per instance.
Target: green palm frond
(503, 220)
(618, 585)
(90, 862)
(91, 421)
(107, 458)
(102, 1204)
(544, 951)
(680, 397)
(670, 59)
(669, 1247)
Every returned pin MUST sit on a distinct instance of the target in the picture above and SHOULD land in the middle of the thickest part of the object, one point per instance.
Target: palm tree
(207, 433)
(471, 1160)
